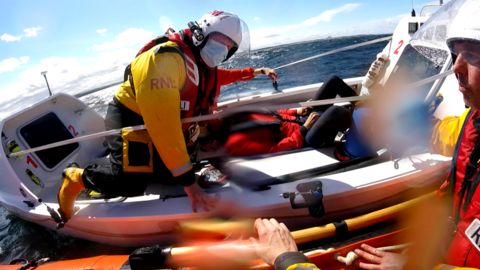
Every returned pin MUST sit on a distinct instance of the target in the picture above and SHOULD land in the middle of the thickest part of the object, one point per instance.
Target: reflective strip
(303, 266)
(473, 233)
(182, 169)
(192, 70)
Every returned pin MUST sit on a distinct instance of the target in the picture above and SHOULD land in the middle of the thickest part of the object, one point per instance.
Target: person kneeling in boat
(176, 79)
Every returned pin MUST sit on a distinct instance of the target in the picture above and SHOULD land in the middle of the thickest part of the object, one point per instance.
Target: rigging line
(337, 50)
(82, 94)
(226, 113)
(88, 92)
(229, 112)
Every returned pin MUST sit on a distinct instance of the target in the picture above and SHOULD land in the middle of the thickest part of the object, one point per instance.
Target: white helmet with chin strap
(227, 24)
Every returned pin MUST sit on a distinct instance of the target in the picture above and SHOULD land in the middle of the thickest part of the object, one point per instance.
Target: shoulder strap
(469, 183)
(153, 42)
(202, 85)
(146, 47)
(453, 166)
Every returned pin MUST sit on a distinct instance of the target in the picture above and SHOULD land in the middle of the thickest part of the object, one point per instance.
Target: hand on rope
(270, 73)
(379, 259)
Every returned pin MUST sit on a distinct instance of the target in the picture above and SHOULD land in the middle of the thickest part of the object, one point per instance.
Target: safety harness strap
(471, 180)
(198, 108)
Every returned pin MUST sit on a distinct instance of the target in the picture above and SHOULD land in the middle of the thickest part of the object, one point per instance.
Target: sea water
(23, 239)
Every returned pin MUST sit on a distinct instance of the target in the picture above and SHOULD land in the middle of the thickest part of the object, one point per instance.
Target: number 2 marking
(30, 161)
(400, 44)
(73, 130)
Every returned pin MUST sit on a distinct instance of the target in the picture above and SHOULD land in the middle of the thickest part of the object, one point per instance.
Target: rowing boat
(31, 178)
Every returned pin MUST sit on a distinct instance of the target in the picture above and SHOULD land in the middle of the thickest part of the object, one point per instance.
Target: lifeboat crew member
(176, 79)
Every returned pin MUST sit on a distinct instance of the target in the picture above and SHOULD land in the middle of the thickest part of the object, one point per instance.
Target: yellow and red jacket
(167, 80)
(464, 250)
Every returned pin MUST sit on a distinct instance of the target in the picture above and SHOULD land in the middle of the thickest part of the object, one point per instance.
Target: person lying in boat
(269, 131)
(181, 71)
(360, 140)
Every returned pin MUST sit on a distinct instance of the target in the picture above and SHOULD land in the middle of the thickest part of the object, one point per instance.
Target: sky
(87, 44)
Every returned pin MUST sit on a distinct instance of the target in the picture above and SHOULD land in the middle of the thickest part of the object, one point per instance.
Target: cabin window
(415, 65)
(46, 130)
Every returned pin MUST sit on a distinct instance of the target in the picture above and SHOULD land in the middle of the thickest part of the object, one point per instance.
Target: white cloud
(256, 19)
(102, 32)
(8, 38)
(259, 36)
(127, 38)
(32, 32)
(383, 26)
(326, 16)
(68, 75)
(29, 32)
(11, 63)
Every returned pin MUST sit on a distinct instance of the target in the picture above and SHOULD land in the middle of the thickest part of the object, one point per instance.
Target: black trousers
(332, 87)
(334, 118)
(111, 179)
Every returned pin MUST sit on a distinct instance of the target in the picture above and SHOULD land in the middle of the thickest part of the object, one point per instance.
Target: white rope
(79, 139)
(226, 113)
(337, 51)
(321, 251)
(352, 256)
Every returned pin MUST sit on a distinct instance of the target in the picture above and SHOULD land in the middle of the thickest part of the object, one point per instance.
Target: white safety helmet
(227, 24)
(466, 25)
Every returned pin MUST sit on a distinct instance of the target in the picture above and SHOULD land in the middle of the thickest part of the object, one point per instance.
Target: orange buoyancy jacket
(168, 82)
(462, 188)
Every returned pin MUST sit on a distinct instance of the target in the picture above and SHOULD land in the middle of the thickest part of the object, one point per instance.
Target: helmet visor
(469, 51)
(244, 46)
(222, 39)
(241, 50)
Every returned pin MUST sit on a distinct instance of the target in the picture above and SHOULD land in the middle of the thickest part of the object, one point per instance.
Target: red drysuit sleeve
(292, 142)
(288, 112)
(227, 76)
